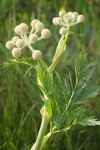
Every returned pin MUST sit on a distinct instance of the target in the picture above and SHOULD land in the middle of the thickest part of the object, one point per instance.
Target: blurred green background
(19, 102)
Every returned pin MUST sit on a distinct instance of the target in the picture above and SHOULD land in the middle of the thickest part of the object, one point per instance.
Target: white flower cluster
(66, 20)
(24, 38)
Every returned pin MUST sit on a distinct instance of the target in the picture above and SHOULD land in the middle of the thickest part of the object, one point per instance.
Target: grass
(19, 102)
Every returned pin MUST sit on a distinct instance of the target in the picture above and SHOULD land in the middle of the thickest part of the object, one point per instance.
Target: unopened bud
(54, 20)
(20, 43)
(68, 20)
(14, 39)
(16, 52)
(33, 38)
(59, 21)
(45, 33)
(69, 14)
(34, 21)
(39, 26)
(9, 45)
(17, 30)
(80, 18)
(62, 13)
(23, 28)
(63, 31)
(75, 15)
(36, 54)
(65, 17)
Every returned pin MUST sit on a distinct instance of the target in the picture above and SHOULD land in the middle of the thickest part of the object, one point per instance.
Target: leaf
(76, 114)
(90, 121)
(45, 80)
(85, 86)
(25, 61)
(28, 71)
(87, 93)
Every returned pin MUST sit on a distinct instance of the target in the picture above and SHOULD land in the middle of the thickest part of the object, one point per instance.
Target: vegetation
(19, 101)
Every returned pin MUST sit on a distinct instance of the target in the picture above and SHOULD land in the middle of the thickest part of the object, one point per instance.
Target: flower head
(66, 20)
(25, 38)
(9, 45)
(16, 52)
(36, 54)
(45, 33)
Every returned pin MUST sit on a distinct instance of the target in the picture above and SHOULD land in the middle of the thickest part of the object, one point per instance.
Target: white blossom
(16, 52)
(36, 54)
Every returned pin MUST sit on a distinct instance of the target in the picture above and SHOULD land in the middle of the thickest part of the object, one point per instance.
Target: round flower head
(17, 30)
(69, 14)
(68, 20)
(54, 20)
(75, 15)
(62, 13)
(33, 38)
(20, 43)
(45, 33)
(34, 21)
(23, 28)
(9, 45)
(65, 17)
(36, 54)
(63, 31)
(16, 52)
(59, 20)
(39, 26)
(14, 39)
(80, 18)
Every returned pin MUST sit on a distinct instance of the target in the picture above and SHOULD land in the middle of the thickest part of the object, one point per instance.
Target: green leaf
(85, 86)
(90, 121)
(45, 80)
(25, 61)
(76, 114)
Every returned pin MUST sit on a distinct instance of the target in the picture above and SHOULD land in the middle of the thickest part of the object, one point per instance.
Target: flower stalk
(43, 127)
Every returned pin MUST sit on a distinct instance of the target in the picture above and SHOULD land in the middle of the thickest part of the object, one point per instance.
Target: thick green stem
(47, 137)
(43, 127)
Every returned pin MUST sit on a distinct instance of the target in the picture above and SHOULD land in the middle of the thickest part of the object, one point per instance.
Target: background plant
(13, 105)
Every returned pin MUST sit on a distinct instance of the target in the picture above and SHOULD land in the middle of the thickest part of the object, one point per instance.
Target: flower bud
(14, 39)
(63, 31)
(45, 33)
(80, 18)
(75, 15)
(54, 20)
(59, 20)
(33, 38)
(34, 21)
(16, 52)
(9, 45)
(39, 26)
(68, 20)
(62, 13)
(17, 30)
(20, 43)
(36, 54)
(23, 28)
(65, 17)
(69, 14)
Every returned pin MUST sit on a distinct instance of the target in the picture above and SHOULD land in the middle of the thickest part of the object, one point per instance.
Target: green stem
(43, 127)
(59, 51)
(47, 137)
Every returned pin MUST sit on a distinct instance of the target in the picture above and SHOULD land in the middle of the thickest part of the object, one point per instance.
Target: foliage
(18, 94)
